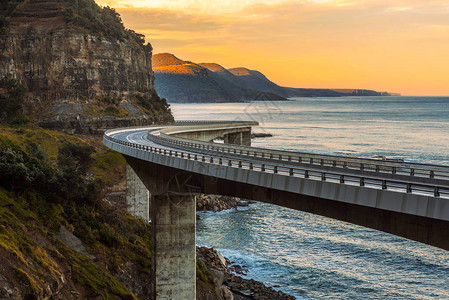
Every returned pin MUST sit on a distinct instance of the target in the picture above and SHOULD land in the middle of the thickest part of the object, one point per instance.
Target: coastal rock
(239, 287)
(215, 202)
(227, 294)
(260, 135)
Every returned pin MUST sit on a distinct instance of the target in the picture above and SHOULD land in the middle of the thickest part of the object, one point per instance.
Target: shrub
(105, 21)
(11, 110)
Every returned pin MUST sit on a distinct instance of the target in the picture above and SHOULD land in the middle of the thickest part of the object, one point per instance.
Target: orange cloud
(399, 46)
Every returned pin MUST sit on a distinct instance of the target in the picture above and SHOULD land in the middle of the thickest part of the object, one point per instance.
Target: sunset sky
(385, 45)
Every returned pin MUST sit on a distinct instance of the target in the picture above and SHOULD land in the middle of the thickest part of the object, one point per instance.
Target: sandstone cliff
(75, 78)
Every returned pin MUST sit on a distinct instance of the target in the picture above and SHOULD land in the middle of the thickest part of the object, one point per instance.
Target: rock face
(69, 72)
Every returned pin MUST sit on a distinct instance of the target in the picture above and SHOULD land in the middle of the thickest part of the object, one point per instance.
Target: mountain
(80, 68)
(185, 81)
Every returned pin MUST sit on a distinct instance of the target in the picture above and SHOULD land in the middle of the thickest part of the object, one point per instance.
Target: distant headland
(185, 81)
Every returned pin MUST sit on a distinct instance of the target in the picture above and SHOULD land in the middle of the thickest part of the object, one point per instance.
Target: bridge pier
(173, 257)
(242, 138)
(137, 196)
(173, 231)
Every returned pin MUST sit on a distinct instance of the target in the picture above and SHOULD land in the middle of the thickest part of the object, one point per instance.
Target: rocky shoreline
(230, 286)
(225, 274)
(218, 203)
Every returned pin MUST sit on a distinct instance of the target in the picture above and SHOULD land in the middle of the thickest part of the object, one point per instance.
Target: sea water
(314, 257)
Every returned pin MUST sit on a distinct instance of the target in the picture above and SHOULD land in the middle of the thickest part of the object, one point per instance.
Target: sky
(386, 45)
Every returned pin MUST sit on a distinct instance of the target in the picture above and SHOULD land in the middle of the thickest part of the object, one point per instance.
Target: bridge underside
(161, 179)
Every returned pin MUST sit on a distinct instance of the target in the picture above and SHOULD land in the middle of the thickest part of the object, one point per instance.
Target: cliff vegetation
(51, 191)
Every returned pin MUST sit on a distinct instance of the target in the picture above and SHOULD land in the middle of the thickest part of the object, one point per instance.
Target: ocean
(313, 257)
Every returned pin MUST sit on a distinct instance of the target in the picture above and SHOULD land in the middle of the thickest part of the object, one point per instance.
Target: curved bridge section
(406, 199)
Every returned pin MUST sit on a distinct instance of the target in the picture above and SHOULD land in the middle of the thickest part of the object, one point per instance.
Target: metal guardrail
(298, 158)
(300, 171)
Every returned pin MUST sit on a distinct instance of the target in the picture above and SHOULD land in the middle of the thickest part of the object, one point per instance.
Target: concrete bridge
(176, 162)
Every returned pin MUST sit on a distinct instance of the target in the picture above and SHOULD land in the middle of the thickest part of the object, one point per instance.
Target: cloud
(380, 44)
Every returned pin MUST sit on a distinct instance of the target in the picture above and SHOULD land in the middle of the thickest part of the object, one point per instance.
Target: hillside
(80, 68)
(185, 81)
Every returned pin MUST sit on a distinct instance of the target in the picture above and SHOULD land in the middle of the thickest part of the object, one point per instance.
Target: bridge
(178, 161)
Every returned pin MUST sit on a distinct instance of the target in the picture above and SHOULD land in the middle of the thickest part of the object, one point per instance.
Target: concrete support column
(246, 138)
(173, 225)
(233, 138)
(242, 138)
(137, 195)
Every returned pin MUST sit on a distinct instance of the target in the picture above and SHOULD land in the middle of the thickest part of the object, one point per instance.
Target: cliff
(77, 75)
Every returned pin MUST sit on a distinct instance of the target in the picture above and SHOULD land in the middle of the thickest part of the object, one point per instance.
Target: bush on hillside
(12, 97)
(7, 7)
(152, 103)
(99, 20)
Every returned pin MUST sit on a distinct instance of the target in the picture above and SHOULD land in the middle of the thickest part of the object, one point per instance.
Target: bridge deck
(402, 198)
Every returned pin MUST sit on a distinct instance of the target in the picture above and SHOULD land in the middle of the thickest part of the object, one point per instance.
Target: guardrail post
(271, 156)
(240, 163)
(263, 155)
(384, 185)
(412, 172)
(409, 187)
(275, 171)
(377, 168)
(311, 160)
(334, 163)
(436, 192)
(323, 176)
(291, 172)
(299, 159)
(196, 157)
(394, 170)
(251, 167)
(432, 174)
(345, 164)
(211, 160)
(182, 154)
(322, 162)
(362, 181)
(188, 155)
(306, 174)
(247, 153)
(203, 159)
(230, 163)
(289, 158)
(342, 178)
(280, 156)
(263, 168)
(220, 161)
(362, 167)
